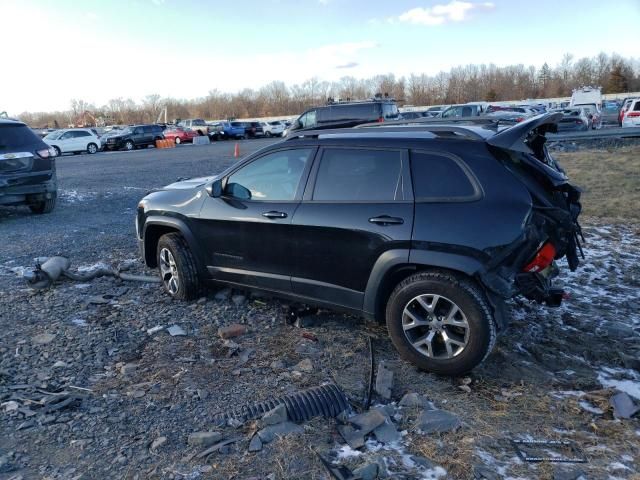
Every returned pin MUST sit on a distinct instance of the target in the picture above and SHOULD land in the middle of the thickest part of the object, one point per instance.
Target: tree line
(615, 74)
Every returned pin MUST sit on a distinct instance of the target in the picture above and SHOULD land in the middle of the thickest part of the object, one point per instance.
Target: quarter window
(358, 175)
(273, 177)
(437, 177)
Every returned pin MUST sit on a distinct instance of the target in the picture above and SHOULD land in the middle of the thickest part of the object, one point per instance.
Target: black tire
(128, 145)
(462, 292)
(189, 285)
(58, 151)
(268, 134)
(92, 148)
(44, 206)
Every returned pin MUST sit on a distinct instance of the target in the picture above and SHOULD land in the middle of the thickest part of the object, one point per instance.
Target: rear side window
(17, 136)
(82, 134)
(438, 177)
(358, 175)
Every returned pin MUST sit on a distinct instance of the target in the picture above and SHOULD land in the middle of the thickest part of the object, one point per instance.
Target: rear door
(357, 205)
(246, 234)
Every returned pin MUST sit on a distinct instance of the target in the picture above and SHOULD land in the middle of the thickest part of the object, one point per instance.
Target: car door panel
(338, 242)
(249, 241)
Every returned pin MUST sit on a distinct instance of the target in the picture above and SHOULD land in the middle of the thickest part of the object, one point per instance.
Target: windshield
(54, 135)
(198, 121)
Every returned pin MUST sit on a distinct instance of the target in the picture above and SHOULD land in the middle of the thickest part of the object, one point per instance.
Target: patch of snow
(631, 385)
(590, 408)
(347, 452)
(567, 393)
(73, 196)
(618, 466)
(82, 285)
(80, 322)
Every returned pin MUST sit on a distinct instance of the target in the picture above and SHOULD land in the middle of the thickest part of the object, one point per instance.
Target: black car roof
(11, 121)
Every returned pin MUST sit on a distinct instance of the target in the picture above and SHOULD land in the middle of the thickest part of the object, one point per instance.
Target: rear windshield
(17, 136)
(636, 108)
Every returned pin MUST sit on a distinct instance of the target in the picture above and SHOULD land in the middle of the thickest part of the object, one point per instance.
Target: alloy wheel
(435, 326)
(169, 271)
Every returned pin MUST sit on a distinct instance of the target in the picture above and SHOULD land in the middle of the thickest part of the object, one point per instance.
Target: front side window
(273, 177)
(390, 111)
(452, 112)
(358, 175)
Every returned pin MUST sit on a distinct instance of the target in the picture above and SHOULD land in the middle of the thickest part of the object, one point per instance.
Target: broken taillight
(543, 258)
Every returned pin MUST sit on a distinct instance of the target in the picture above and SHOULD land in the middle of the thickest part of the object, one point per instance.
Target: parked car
(76, 140)
(430, 232)
(253, 129)
(632, 115)
(464, 110)
(575, 118)
(179, 134)
(27, 168)
(346, 114)
(198, 125)
(272, 129)
(413, 115)
(610, 111)
(231, 129)
(135, 136)
(501, 108)
(436, 110)
(594, 114)
(624, 109)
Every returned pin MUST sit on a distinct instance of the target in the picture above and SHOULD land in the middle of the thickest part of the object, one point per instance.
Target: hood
(189, 183)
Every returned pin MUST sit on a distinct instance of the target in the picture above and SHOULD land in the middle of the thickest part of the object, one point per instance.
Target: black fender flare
(179, 225)
(399, 257)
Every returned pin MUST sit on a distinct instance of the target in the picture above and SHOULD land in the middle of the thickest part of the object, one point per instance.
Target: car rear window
(14, 136)
(439, 177)
(358, 175)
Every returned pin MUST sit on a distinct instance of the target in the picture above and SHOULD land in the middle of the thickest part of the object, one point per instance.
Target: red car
(180, 135)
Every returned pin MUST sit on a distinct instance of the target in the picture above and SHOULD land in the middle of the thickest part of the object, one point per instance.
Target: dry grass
(610, 180)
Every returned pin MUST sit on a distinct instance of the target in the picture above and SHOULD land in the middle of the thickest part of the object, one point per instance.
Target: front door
(358, 205)
(246, 233)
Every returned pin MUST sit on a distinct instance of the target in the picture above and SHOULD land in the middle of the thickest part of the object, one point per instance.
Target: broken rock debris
(231, 331)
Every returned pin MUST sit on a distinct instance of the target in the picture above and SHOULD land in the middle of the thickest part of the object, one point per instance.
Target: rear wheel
(92, 148)
(44, 206)
(177, 267)
(441, 322)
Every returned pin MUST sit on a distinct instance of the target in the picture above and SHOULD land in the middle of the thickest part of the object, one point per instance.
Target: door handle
(386, 220)
(274, 214)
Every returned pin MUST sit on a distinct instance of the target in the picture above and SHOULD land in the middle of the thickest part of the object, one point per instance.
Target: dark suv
(135, 136)
(430, 227)
(27, 168)
(346, 114)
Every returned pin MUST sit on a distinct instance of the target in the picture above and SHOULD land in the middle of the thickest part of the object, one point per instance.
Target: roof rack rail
(355, 131)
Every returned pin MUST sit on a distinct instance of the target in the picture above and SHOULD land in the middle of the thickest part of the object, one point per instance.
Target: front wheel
(58, 151)
(441, 323)
(268, 134)
(92, 148)
(178, 141)
(129, 145)
(178, 269)
(44, 206)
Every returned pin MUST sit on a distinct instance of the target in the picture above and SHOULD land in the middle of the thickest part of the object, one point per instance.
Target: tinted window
(636, 107)
(83, 134)
(364, 111)
(273, 177)
(358, 175)
(17, 136)
(437, 177)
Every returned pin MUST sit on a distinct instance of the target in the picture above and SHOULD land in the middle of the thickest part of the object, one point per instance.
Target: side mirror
(214, 189)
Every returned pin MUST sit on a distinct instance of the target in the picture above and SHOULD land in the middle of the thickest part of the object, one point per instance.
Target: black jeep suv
(27, 168)
(431, 227)
(135, 136)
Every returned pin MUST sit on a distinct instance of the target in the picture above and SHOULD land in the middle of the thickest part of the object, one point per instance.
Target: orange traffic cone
(236, 151)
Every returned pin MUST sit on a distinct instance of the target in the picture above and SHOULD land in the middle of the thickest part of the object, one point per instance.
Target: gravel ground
(92, 385)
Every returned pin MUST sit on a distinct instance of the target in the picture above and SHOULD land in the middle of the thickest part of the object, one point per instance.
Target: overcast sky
(96, 50)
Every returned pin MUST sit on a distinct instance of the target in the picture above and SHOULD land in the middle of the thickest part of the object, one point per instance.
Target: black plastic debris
(326, 400)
